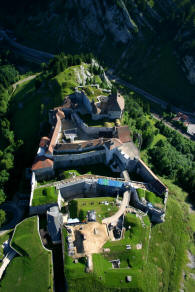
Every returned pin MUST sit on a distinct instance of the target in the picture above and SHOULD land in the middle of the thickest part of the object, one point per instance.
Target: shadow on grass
(20, 250)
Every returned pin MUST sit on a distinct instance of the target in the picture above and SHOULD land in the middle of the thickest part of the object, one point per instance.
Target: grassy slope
(159, 265)
(26, 117)
(41, 198)
(32, 271)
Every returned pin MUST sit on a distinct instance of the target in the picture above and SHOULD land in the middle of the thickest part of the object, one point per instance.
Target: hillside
(33, 99)
(152, 41)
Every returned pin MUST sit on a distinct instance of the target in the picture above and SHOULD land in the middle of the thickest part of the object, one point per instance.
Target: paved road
(22, 81)
(157, 100)
(147, 95)
(29, 54)
(11, 254)
(155, 116)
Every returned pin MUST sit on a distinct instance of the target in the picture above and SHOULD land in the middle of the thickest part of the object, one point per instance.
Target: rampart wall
(74, 160)
(33, 185)
(156, 215)
(145, 172)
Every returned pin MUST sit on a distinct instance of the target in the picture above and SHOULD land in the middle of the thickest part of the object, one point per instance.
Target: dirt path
(125, 202)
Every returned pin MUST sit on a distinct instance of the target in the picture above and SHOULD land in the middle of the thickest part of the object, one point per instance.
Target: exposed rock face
(189, 63)
(107, 27)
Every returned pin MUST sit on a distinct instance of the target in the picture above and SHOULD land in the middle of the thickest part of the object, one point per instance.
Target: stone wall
(91, 131)
(72, 190)
(78, 150)
(148, 176)
(44, 173)
(74, 160)
(156, 216)
(42, 209)
(86, 188)
(83, 99)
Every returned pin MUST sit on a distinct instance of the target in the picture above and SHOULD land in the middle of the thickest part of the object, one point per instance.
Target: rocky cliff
(113, 29)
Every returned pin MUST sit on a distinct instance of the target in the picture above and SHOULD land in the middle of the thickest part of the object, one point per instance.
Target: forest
(172, 155)
(8, 143)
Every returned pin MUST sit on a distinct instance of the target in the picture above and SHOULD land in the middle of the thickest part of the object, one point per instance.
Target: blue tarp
(110, 183)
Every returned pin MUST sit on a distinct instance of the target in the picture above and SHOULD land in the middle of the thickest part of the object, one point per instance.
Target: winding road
(38, 56)
(22, 81)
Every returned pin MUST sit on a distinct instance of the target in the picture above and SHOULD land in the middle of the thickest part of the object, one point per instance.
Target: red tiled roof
(79, 145)
(42, 162)
(123, 134)
(59, 116)
(55, 134)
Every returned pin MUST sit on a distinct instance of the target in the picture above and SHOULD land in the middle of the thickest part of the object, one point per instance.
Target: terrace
(33, 269)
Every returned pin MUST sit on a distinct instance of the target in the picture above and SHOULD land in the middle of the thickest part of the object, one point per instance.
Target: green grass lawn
(167, 247)
(27, 120)
(72, 270)
(150, 197)
(4, 238)
(33, 270)
(158, 266)
(45, 195)
(79, 207)
(136, 234)
(96, 123)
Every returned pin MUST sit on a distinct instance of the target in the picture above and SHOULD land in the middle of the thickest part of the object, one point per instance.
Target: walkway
(7, 259)
(29, 54)
(84, 177)
(78, 179)
(125, 202)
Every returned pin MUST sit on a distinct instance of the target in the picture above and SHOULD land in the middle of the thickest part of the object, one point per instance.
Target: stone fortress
(73, 143)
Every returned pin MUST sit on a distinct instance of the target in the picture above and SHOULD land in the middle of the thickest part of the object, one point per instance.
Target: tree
(38, 82)
(114, 91)
(2, 196)
(2, 217)
(4, 176)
